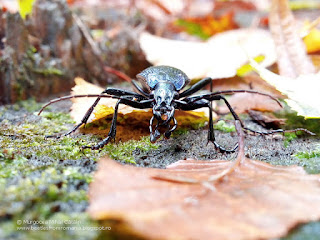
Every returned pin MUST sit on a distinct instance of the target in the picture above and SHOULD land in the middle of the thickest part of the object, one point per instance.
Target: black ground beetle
(160, 89)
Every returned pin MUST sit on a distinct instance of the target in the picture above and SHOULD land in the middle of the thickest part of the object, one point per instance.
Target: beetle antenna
(74, 96)
(248, 91)
(281, 131)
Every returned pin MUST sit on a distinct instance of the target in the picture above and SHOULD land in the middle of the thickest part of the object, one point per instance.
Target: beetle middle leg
(236, 117)
(188, 105)
(112, 132)
(83, 120)
(211, 137)
(111, 92)
(215, 96)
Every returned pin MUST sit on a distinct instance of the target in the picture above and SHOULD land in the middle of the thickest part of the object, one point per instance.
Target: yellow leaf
(302, 92)
(126, 115)
(102, 111)
(25, 7)
(245, 69)
(312, 41)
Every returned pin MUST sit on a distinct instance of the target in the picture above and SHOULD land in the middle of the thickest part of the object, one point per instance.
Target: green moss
(33, 193)
(310, 160)
(180, 131)
(35, 185)
(11, 165)
(48, 71)
(308, 155)
(295, 121)
(123, 150)
(288, 138)
(223, 126)
(30, 105)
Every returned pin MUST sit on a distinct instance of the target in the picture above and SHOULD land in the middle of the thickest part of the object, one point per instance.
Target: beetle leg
(139, 89)
(192, 105)
(154, 135)
(236, 117)
(113, 92)
(212, 97)
(112, 131)
(121, 93)
(193, 100)
(167, 134)
(196, 87)
(211, 137)
(83, 120)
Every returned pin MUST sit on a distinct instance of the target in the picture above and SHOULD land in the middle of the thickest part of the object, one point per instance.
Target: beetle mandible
(160, 88)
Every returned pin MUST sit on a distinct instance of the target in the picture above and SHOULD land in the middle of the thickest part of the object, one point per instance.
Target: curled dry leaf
(135, 119)
(219, 57)
(256, 201)
(267, 121)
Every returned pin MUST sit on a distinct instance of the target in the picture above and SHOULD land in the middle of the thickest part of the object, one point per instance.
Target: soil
(274, 149)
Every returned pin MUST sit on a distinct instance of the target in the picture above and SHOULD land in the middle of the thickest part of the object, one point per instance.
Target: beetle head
(164, 94)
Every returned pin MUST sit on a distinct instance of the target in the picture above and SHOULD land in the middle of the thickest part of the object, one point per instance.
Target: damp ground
(48, 179)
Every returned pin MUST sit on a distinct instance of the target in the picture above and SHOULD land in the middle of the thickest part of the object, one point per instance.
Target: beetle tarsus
(279, 131)
(224, 150)
(52, 136)
(154, 136)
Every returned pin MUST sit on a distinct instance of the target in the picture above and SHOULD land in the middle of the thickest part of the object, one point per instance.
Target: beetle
(160, 88)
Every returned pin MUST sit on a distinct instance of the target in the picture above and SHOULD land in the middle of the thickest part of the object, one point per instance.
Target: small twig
(161, 6)
(117, 73)
(96, 50)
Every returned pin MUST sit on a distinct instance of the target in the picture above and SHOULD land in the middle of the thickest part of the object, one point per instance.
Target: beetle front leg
(188, 104)
(196, 87)
(211, 137)
(154, 135)
(167, 134)
(112, 131)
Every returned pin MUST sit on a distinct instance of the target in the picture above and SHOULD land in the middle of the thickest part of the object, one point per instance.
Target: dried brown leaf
(292, 58)
(267, 121)
(256, 201)
(243, 102)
